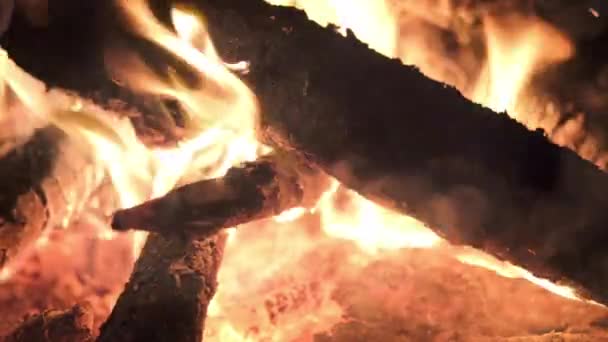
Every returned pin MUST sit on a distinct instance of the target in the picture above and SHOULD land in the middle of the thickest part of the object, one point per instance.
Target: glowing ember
(594, 12)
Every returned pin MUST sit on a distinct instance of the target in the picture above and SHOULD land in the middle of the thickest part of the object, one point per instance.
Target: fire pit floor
(404, 295)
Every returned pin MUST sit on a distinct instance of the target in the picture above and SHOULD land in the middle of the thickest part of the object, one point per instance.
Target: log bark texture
(255, 190)
(73, 325)
(43, 183)
(167, 296)
(475, 176)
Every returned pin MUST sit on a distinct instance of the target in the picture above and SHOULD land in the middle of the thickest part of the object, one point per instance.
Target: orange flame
(216, 142)
(371, 21)
(517, 47)
(372, 227)
(138, 173)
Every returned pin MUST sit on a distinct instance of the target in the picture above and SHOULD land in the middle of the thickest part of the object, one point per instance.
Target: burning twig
(73, 325)
(167, 297)
(256, 190)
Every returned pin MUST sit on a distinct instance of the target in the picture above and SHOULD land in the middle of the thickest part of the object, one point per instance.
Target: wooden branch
(476, 177)
(73, 325)
(253, 191)
(167, 296)
(43, 184)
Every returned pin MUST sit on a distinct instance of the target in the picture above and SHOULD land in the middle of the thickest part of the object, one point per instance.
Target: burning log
(169, 291)
(476, 177)
(73, 325)
(45, 181)
(255, 190)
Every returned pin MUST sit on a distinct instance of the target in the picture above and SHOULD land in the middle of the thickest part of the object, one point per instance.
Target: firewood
(44, 183)
(255, 190)
(73, 325)
(474, 176)
(167, 296)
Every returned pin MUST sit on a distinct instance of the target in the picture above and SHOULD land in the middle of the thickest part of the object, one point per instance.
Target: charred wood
(44, 182)
(170, 289)
(76, 40)
(476, 177)
(73, 325)
(255, 190)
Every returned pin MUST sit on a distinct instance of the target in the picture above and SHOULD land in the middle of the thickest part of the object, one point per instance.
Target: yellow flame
(516, 48)
(290, 215)
(476, 258)
(186, 24)
(371, 226)
(223, 122)
(221, 126)
(370, 20)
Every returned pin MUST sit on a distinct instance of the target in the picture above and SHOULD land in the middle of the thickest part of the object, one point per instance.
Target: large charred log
(255, 190)
(73, 325)
(170, 289)
(476, 177)
(45, 180)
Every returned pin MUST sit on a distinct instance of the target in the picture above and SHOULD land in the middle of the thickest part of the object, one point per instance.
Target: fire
(372, 21)
(517, 47)
(214, 142)
(347, 215)
(507, 270)
(288, 265)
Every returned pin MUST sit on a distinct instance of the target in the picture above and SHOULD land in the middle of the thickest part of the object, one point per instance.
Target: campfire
(228, 170)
